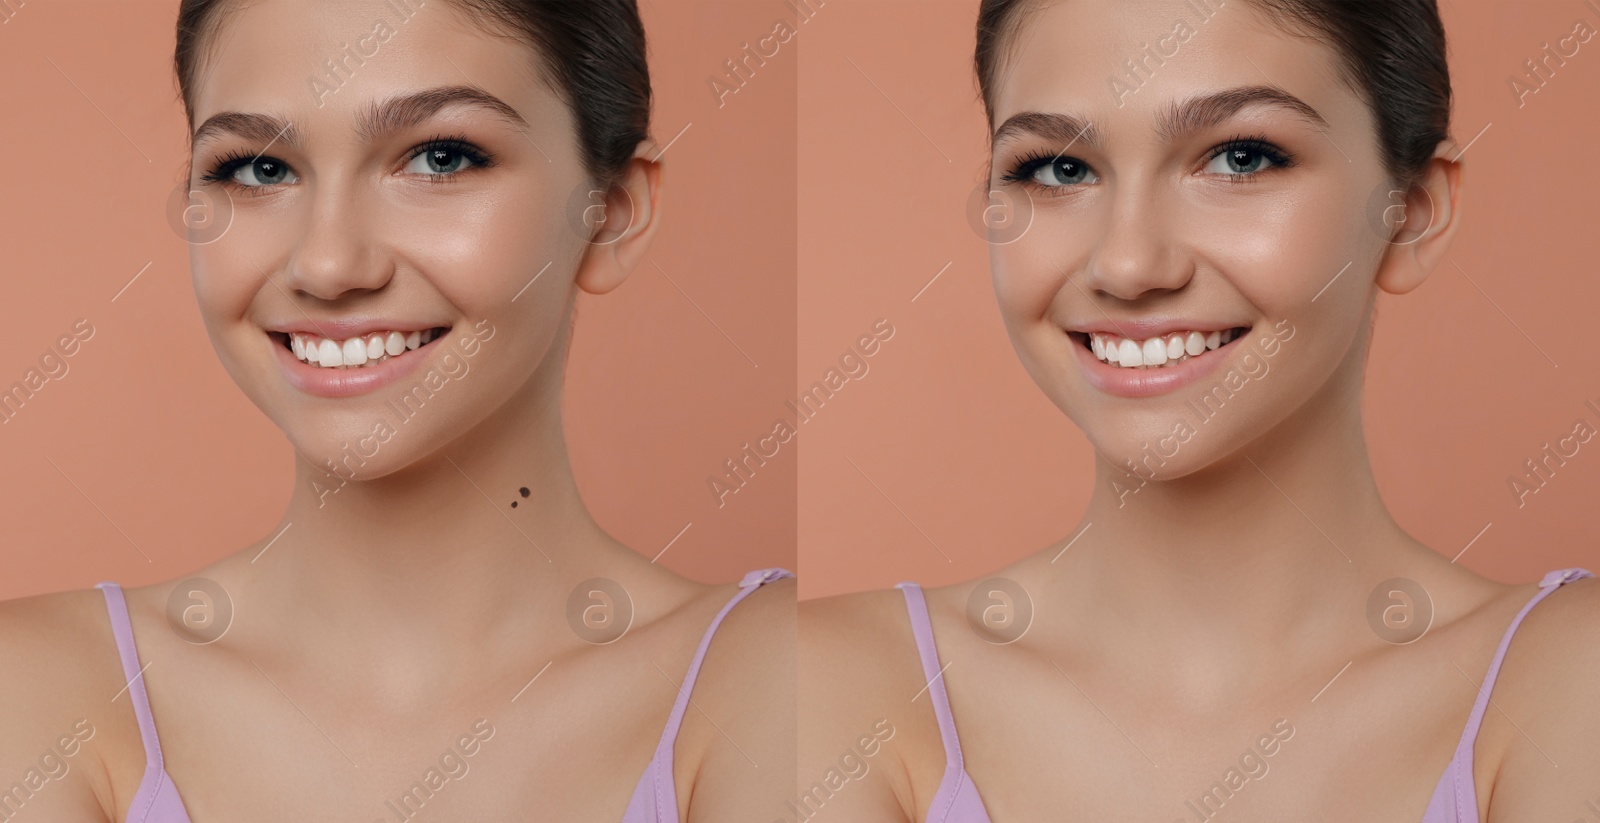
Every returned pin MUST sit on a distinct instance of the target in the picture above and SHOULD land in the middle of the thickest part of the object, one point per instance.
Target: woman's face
(1226, 180)
(398, 173)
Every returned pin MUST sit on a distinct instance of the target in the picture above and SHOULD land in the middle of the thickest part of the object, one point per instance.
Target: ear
(622, 228)
(1428, 217)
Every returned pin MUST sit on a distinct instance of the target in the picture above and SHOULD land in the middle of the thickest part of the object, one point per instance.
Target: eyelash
(226, 167)
(1027, 166)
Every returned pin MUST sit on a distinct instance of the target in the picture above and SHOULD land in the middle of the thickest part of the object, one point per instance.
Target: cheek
(225, 281)
(1281, 252)
(1028, 275)
(480, 252)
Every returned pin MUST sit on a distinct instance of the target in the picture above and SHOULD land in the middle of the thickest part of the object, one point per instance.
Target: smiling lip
(340, 329)
(1144, 328)
(329, 382)
(1126, 382)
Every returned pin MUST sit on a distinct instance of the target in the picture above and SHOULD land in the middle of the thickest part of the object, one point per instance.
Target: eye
(1051, 172)
(1246, 157)
(264, 171)
(1063, 171)
(445, 158)
(250, 172)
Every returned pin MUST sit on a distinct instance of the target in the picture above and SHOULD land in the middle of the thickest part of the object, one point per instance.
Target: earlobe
(1431, 217)
(623, 231)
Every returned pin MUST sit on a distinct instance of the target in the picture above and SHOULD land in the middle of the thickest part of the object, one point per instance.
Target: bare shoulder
(857, 656)
(1545, 711)
(863, 730)
(59, 725)
(743, 725)
(750, 662)
(764, 617)
(858, 662)
(1557, 648)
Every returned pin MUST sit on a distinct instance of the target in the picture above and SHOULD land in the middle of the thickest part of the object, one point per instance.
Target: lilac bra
(1455, 798)
(655, 797)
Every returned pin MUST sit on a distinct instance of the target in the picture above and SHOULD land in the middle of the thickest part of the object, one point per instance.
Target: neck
(436, 551)
(1268, 554)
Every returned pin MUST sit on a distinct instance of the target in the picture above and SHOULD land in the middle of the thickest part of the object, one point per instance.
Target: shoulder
(1557, 648)
(861, 724)
(1544, 709)
(60, 674)
(740, 727)
(1558, 641)
(855, 624)
(56, 647)
(755, 635)
(765, 615)
(858, 658)
(866, 636)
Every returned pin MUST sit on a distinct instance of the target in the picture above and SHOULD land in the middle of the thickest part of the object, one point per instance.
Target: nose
(338, 253)
(1138, 253)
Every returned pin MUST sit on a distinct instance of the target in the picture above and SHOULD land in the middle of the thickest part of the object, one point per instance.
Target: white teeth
(1129, 353)
(357, 351)
(1157, 351)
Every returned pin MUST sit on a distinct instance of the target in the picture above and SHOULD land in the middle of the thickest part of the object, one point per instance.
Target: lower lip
(1150, 382)
(349, 382)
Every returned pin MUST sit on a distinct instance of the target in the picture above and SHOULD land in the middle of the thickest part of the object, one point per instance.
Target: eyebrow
(373, 120)
(1172, 121)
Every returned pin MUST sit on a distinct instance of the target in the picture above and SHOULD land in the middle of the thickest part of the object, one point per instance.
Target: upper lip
(1144, 328)
(344, 328)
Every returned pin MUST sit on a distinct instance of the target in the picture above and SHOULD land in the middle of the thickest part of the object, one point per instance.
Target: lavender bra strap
(1550, 583)
(922, 630)
(122, 629)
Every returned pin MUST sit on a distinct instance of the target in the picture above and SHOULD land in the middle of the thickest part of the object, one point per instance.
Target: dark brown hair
(1392, 53)
(592, 52)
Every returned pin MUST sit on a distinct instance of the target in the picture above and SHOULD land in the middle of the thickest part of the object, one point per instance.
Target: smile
(357, 352)
(1165, 351)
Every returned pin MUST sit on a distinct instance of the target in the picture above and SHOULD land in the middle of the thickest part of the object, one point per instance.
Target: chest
(569, 744)
(1085, 745)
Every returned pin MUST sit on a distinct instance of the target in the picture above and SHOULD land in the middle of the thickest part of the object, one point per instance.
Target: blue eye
(1246, 157)
(250, 171)
(445, 158)
(1050, 172)
(264, 171)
